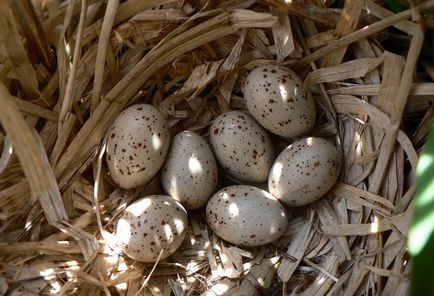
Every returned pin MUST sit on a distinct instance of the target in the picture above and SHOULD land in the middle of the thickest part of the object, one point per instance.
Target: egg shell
(242, 146)
(137, 144)
(275, 97)
(305, 171)
(152, 224)
(246, 215)
(189, 174)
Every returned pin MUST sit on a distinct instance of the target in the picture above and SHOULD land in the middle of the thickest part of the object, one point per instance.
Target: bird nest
(68, 68)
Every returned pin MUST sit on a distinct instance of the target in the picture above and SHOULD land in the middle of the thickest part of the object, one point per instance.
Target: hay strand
(68, 68)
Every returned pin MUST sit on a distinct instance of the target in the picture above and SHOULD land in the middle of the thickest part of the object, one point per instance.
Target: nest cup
(69, 68)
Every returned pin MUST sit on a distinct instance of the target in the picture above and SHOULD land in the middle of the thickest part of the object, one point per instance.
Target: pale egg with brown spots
(304, 172)
(246, 215)
(275, 97)
(154, 224)
(189, 174)
(137, 144)
(242, 146)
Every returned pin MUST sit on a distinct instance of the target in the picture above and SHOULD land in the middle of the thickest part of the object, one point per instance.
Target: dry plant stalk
(68, 68)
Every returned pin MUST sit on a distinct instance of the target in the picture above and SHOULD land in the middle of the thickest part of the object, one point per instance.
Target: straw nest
(68, 68)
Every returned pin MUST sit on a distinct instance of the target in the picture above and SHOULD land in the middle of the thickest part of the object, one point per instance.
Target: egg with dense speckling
(275, 97)
(189, 174)
(242, 146)
(246, 215)
(154, 224)
(137, 144)
(305, 171)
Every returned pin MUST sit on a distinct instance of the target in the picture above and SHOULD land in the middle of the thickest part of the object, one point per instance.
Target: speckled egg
(246, 215)
(274, 96)
(305, 171)
(242, 146)
(150, 225)
(137, 144)
(189, 174)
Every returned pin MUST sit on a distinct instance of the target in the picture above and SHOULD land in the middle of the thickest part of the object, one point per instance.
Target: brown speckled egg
(152, 224)
(137, 144)
(246, 215)
(305, 171)
(189, 174)
(242, 146)
(274, 96)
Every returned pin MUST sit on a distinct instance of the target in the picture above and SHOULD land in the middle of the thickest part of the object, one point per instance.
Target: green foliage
(421, 234)
(395, 6)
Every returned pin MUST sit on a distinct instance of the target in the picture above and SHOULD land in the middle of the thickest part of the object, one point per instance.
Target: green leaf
(421, 234)
(395, 6)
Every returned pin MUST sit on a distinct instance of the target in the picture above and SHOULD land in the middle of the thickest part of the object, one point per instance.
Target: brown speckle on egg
(189, 174)
(137, 237)
(280, 88)
(297, 172)
(262, 216)
(125, 135)
(233, 146)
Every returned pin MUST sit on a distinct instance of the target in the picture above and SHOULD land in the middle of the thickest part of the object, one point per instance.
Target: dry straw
(68, 68)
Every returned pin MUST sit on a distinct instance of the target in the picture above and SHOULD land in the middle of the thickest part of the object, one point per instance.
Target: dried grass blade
(392, 70)
(125, 11)
(61, 140)
(398, 222)
(342, 189)
(304, 9)
(322, 284)
(7, 151)
(299, 243)
(353, 105)
(62, 55)
(397, 268)
(34, 32)
(417, 89)
(401, 101)
(353, 69)
(36, 248)
(346, 24)
(103, 42)
(380, 12)
(15, 198)
(34, 161)
(242, 18)
(170, 14)
(16, 52)
(384, 272)
(69, 91)
(321, 39)
(282, 35)
(37, 110)
(328, 218)
(258, 279)
(357, 229)
(227, 75)
(362, 33)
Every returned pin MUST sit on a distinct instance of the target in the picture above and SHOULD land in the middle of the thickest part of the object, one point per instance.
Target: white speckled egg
(189, 174)
(137, 145)
(242, 146)
(246, 215)
(305, 171)
(274, 96)
(152, 224)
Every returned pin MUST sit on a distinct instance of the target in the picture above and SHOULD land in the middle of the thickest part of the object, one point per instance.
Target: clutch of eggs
(139, 145)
